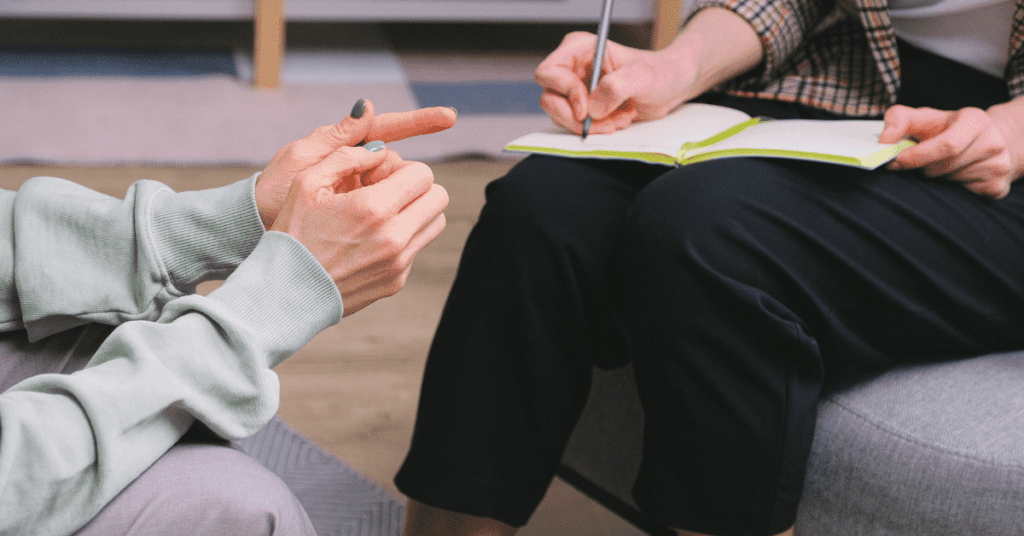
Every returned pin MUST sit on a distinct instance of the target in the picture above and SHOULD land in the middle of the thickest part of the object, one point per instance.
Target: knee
(203, 489)
(695, 206)
(711, 220)
(229, 489)
(549, 199)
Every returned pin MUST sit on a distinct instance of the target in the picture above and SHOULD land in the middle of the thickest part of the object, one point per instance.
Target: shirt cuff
(283, 294)
(205, 234)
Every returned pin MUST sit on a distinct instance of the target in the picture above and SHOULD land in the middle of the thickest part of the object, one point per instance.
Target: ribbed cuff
(205, 234)
(283, 294)
(10, 308)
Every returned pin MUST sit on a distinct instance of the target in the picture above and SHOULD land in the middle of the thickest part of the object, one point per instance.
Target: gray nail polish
(374, 146)
(359, 109)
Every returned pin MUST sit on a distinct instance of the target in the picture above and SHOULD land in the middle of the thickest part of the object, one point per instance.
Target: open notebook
(696, 132)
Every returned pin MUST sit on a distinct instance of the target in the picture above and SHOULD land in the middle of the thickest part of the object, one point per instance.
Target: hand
(716, 45)
(635, 85)
(983, 150)
(275, 181)
(364, 233)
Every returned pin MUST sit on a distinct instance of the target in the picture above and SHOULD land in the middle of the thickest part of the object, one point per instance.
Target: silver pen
(602, 40)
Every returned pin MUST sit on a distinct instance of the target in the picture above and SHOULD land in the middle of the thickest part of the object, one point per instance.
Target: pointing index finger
(398, 126)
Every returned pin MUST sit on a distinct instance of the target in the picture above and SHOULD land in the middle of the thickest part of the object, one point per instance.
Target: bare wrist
(1010, 118)
(716, 45)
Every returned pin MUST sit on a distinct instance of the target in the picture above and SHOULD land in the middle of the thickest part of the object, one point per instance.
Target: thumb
(918, 123)
(616, 88)
(896, 122)
(349, 132)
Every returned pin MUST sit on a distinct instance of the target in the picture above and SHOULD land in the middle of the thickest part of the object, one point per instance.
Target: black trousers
(740, 288)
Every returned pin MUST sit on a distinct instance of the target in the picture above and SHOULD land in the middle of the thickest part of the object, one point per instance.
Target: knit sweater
(70, 256)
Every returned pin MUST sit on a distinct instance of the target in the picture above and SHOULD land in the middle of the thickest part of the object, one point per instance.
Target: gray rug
(337, 499)
(103, 93)
(213, 120)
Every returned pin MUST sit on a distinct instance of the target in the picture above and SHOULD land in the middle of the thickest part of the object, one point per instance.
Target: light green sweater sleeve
(10, 310)
(70, 443)
(78, 256)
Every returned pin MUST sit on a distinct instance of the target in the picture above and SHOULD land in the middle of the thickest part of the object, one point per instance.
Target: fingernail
(359, 109)
(454, 110)
(374, 146)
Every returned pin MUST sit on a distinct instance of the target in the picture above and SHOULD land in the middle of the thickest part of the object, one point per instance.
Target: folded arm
(72, 255)
(69, 255)
(353, 221)
(69, 443)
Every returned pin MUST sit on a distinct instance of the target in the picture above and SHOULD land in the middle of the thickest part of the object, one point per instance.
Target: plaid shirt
(838, 58)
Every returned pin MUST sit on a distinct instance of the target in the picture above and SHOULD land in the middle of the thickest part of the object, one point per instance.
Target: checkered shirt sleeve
(1015, 67)
(840, 57)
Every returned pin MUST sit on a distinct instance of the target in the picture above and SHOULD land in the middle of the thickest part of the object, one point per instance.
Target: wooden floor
(353, 389)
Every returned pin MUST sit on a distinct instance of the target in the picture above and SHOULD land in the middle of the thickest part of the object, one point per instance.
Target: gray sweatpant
(201, 486)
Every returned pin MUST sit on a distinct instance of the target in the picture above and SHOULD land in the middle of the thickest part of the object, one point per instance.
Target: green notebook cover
(700, 132)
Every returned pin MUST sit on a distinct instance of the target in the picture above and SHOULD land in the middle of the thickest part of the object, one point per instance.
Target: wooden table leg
(666, 23)
(269, 45)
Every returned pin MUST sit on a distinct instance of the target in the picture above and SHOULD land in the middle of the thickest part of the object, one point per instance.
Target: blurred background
(173, 81)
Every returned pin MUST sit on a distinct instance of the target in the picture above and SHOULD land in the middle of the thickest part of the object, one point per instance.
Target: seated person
(739, 288)
(326, 229)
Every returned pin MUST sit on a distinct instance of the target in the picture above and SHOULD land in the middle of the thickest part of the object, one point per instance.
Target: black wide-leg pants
(740, 289)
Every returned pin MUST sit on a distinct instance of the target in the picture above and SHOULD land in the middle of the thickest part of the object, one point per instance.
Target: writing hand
(983, 150)
(365, 237)
(362, 125)
(635, 85)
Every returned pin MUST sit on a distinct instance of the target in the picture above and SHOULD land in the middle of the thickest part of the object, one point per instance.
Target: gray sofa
(919, 451)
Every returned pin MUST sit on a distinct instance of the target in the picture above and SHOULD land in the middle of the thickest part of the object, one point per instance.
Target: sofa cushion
(923, 450)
